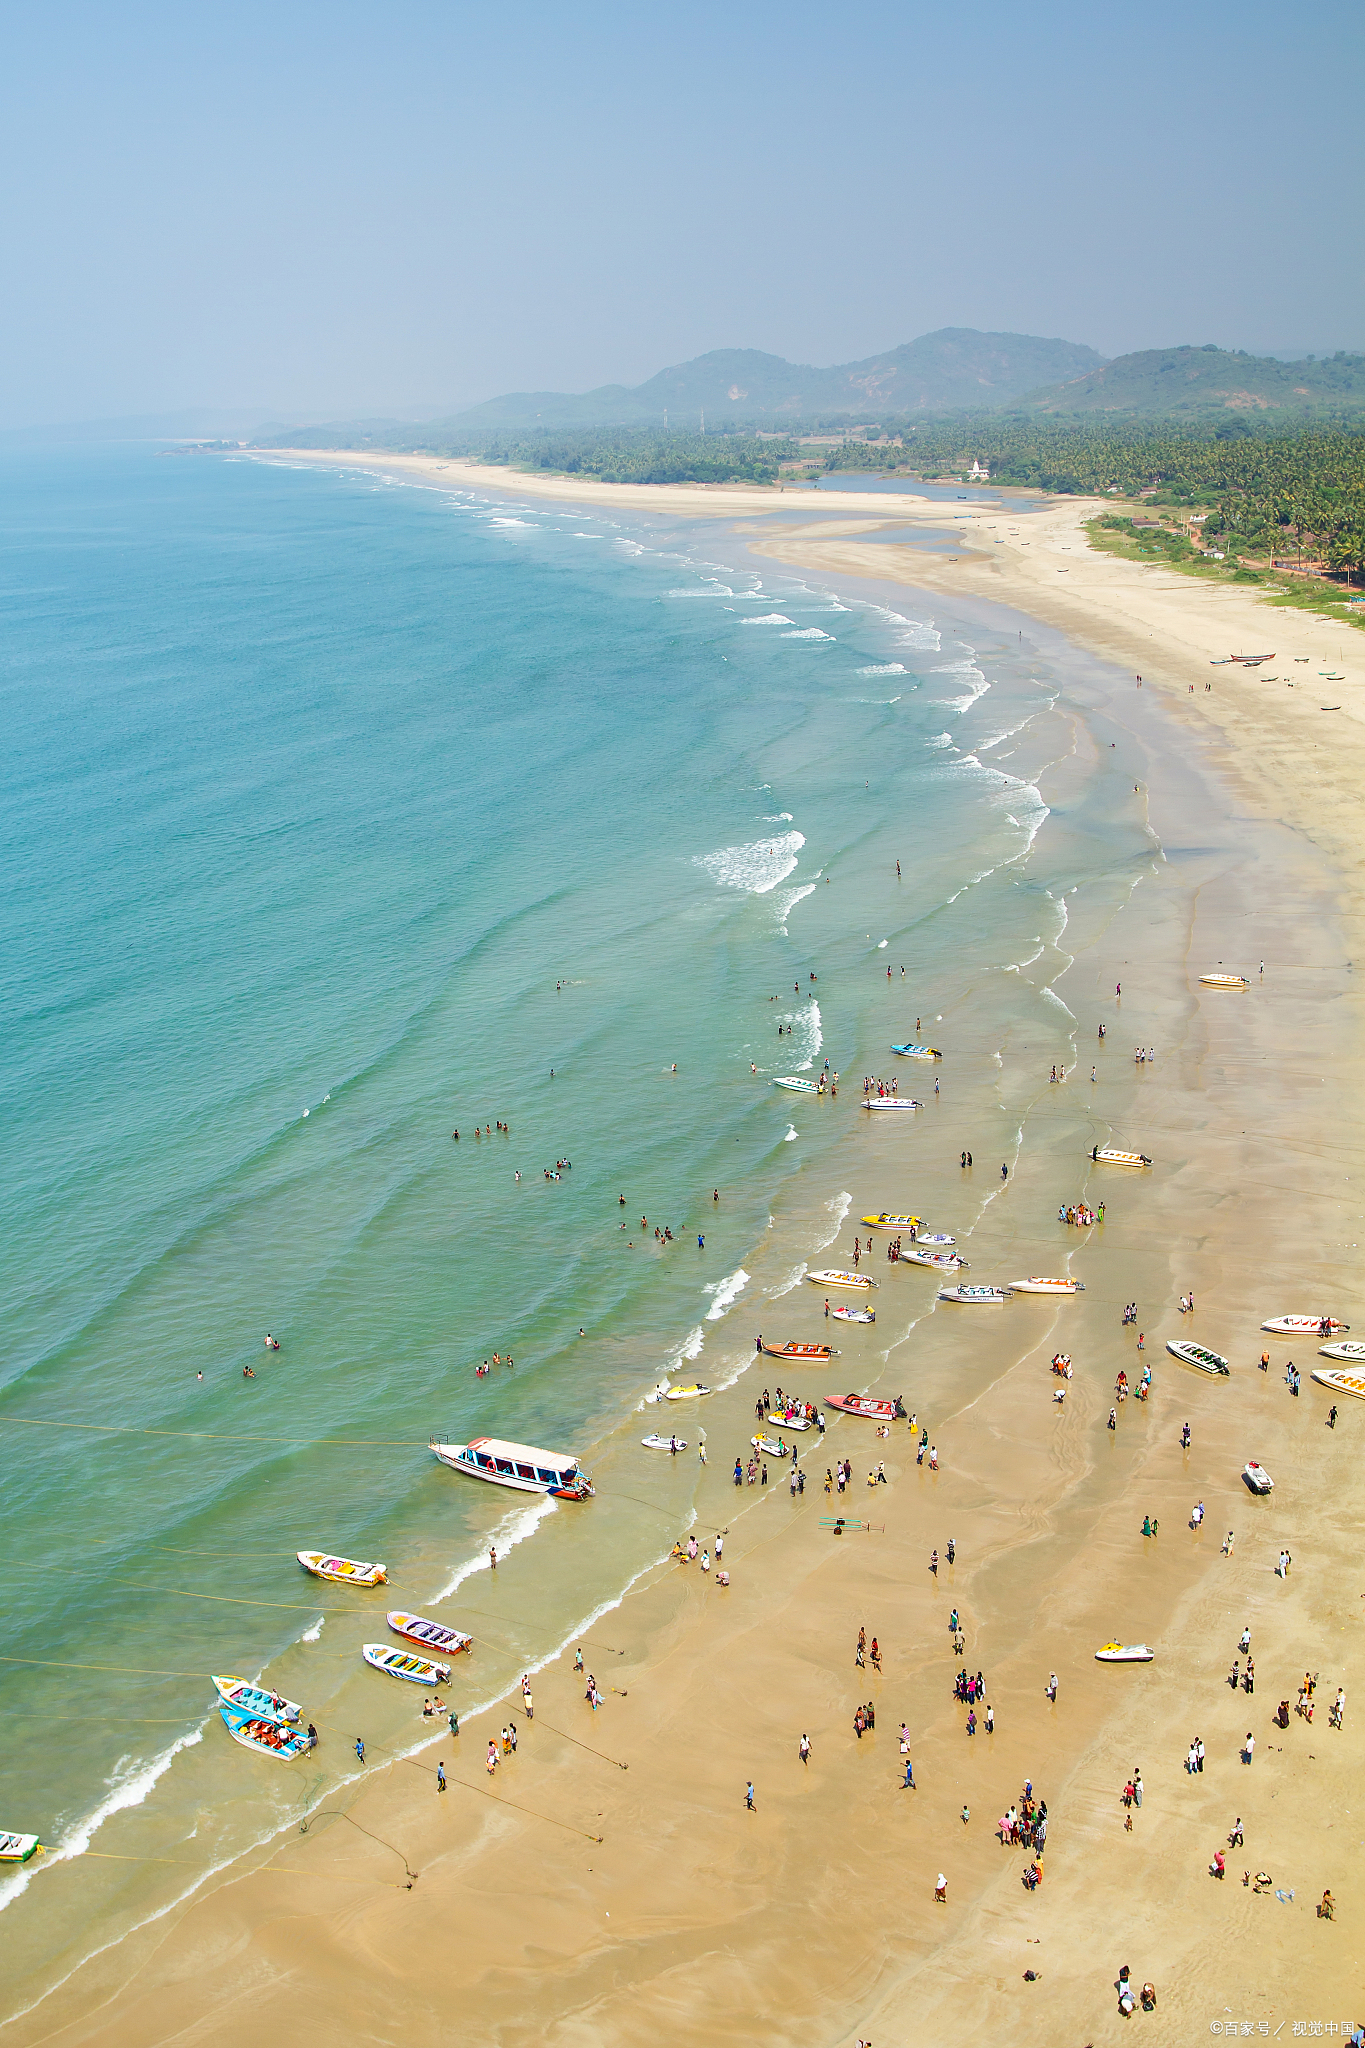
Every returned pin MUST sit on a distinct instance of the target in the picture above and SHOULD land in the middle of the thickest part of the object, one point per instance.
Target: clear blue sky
(323, 209)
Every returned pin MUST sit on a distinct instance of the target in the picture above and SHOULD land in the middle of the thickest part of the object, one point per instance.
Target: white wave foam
(788, 901)
(689, 1348)
(500, 520)
(791, 1134)
(768, 619)
(725, 1292)
(777, 818)
(793, 1279)
(512, 1530)
(129, 1785)
(758, 867)
(310, 1635)
(802, 633)
(885, 668)
(803, 1028)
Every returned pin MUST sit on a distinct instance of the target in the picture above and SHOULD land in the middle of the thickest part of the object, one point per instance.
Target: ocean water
(339, 814)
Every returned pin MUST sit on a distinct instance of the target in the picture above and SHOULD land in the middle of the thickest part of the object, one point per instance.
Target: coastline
(709, 1906)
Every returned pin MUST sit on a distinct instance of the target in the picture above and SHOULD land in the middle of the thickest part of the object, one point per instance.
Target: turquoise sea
(339, 814)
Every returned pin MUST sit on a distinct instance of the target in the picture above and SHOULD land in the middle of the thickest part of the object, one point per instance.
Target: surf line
(212, 1436)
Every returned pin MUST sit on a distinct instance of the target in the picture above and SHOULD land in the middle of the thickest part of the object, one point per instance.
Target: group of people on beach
(1079, 1214)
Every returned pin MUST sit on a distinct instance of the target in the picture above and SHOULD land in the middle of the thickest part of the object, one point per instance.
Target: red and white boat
(812, 1353)
(1304, 1326)
(432, 1635)
(863, 1404)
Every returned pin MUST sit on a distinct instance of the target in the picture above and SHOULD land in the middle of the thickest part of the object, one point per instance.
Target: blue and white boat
(520, 1466)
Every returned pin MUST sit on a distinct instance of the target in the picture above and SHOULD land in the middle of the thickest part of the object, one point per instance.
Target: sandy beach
(609, 1883)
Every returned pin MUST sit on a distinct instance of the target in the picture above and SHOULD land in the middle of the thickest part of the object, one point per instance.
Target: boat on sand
(1110, 1155)
(1199, 1356)
(1348, 1350)
(1040, 1284)
(810, 1353)
(865, 1404)
(271, 1738)
(1304, 1326)
(974, 1297)
(835, 1276)
(1339, 1382)
(942, 1262)
(1124, 1653)
(1257, 1478)
(1224, 981)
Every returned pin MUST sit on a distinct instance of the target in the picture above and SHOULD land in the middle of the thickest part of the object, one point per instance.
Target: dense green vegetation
(628, 456)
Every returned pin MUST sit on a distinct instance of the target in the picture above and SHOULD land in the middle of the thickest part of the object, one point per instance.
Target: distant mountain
(955, 368)
(1170, 382)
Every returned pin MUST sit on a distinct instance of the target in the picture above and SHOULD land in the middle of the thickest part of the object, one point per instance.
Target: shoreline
(691, 1887)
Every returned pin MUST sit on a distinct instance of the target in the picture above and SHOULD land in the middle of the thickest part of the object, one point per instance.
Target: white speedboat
(853, 1315)
(768, 1448)
(1110, 1155)
(691, 1393)
(1339, 1382)
(975, 1297)
(1304, 1326)
(942, 1262)
(892, 1102)
(1347, 1350)
(1224, 981)
(796, 1084)
(918, 1052)
(1256, 1477)
(1041, 1284)
(17, 1848)
(664, 1443)
(940, 1240)
(833, 1276)
(791, 1419)
(1124, 1653)
(520, 1466)
(1199, 1357)
(886, 1221)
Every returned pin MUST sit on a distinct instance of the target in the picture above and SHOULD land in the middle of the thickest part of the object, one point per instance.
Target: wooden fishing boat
(1304, 1326)
(918, 1052)
(813, 1353)
(692, 1393)
(1257, 1478)
(796, 1084)
(17, 1848)
(835, 1276)
(943, 1262)
(655, 1442)
(1340, 1382)
(853, 1315)
(519, 1466)
(886, 1221)
(271, 1738)
(1040, 1284)
(344, 1570)
(1348, 1350)
(974, 1297)
(1201, 1359)
(892, 1102)
(1110, 1155)
(405, 1664)
(432, 1635)
(864, 1404)
(255, 1699)
(1124, 1653)
(1224, 981)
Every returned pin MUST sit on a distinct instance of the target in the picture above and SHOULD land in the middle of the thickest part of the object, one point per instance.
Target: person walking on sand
(1248, 1747)
(440, 1776)
(941, 1889)
(1051, 1689)
(749, 1796)
(908, 1781)
(803, 1749)
(933, 1563)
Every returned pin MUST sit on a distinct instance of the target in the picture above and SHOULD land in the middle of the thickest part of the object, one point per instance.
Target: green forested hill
(1175, 383)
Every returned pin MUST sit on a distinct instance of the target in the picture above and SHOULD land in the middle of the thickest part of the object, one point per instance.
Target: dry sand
(812, 1920)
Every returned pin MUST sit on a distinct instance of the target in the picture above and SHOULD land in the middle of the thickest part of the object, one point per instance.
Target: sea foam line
(725, 1292)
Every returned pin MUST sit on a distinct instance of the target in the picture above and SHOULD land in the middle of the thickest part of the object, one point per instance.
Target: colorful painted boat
(853, 1315)
(346, 1571)
(892, 1102)
(886, 1221)
(811, 1353)
(974, 1297)
(796, 1084)
(1348, 1350)
(1124, 1653)
(864, 1404)
(1199, 1357)
(918, 1052)
(271, 1738)
(1304, 1326)
(1039, 1284)
(405, 1664)
(519, 1466)
(255, 1699)
(432, 1635)
(835, 1276)
(17, 1848)
(1110, 1155)
(1339, 1382)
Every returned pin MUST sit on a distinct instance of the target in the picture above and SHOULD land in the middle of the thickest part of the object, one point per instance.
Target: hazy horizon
(314, 214)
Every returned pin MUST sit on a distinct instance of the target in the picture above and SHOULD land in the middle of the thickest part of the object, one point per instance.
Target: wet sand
(813, 1919)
